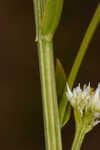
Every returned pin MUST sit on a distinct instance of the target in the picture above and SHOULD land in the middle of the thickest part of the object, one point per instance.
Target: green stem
(37, 18)
(83, 48)
(38, 6)
(48, 86)
(78, 139)
(50, 107)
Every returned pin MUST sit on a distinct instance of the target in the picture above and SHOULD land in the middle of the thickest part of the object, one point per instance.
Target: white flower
(84, 99)
(86, 105)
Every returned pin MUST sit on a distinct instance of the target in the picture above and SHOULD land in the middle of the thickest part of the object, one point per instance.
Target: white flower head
(85, 99)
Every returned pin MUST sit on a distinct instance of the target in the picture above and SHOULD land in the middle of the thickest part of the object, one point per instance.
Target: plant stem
(78, 139)
(83, 48)
(37, 18)
(47, 75)
(50, 107)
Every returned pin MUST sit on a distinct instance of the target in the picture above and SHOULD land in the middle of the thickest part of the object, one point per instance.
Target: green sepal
(61, 79)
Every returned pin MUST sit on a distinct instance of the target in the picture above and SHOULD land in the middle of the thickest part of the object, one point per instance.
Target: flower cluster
(85, 101)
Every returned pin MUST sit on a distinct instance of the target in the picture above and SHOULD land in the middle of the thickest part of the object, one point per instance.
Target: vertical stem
(50, 107)
(37, 18)
(47, 76)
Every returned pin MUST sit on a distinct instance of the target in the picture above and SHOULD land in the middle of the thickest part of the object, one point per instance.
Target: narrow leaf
(51, 18)
(64, 106)
(60, 79)
(67, 115)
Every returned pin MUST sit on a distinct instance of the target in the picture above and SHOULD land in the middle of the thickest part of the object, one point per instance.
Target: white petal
(69, 93)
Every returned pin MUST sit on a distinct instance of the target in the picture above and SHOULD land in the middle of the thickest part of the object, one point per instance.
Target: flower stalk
(78, 139)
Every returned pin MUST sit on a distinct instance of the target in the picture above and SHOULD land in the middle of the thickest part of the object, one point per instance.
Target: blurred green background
(21, 125)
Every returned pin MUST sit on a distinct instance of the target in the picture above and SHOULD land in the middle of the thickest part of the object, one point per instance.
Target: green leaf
(60, 79)
(67, 115)
(84, 46)
(64, 108)
(51, 18)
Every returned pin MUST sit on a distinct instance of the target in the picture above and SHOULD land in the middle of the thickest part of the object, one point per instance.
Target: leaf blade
(64, 106)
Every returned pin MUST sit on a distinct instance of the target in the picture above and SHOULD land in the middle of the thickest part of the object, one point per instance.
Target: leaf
(60, 79)
(67, 115)
(64, 106)
(51, 18)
